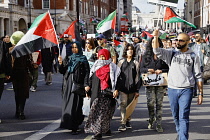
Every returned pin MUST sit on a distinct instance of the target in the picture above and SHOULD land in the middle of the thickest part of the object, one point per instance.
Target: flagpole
(159, 17)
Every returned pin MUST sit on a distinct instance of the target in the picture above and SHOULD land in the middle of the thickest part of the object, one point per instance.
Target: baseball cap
(101, 36)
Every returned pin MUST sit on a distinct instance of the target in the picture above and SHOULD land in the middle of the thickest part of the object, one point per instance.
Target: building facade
(19, 14)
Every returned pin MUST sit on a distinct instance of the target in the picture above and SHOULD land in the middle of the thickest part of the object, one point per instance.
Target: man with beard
(201, 50)
(102, 42)
(184, 72)
(65, 47)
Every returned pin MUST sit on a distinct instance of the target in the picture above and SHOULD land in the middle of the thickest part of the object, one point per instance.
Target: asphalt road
(43, 112)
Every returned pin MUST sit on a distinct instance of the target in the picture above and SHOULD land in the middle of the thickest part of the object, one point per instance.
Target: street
(43, 112)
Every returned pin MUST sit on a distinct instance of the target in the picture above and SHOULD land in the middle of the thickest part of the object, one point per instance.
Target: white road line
(45, 131)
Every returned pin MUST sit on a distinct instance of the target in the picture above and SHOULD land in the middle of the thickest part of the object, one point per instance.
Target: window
(86, 8)
(46, 4)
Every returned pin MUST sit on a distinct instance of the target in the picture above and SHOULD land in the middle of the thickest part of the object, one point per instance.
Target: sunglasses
(180, 40)
(100, 39)
(74, 47)
(87, 42)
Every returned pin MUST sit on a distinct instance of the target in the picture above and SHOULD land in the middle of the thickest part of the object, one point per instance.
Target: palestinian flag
(107, 26)
(145, 35)
(172, 17)
(116, 43)
(73, 31)
(93, 20)
(163, 36)
(40, 35)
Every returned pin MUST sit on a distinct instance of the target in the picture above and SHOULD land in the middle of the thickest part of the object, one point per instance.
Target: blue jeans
(180, 102)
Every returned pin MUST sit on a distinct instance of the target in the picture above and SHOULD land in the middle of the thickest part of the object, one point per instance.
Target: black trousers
(1, 86)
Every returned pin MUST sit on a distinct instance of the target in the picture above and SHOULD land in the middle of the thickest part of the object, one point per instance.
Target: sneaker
(49, 83)
(159, 128)
(122, 127)
(0, 120)
(128, 124)
(150, 124)
(32, 89)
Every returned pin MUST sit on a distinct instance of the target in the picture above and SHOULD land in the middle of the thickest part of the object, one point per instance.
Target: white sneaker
(32, 89)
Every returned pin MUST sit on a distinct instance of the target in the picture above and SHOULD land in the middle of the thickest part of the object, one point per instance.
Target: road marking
(9, 134)
(89, 137)
(45, 131)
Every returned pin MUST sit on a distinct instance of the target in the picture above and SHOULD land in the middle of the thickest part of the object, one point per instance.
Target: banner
(155, 80)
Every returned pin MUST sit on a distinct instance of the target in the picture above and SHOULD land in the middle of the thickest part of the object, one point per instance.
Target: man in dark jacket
(5, 66)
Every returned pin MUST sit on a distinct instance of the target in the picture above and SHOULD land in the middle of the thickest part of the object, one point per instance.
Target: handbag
(77, 88)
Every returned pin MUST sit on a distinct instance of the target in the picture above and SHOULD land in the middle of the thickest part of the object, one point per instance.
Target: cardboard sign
(130, 108)
(91, 36)
(155, 80)
(35, 56)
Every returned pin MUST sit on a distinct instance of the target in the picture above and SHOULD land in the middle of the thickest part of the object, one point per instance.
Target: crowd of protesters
(102, 71)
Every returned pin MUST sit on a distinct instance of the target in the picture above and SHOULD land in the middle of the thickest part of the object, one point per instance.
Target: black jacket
(5, 60)
(154, 64)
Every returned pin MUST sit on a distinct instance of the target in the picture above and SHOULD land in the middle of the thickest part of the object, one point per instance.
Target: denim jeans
(180, 102)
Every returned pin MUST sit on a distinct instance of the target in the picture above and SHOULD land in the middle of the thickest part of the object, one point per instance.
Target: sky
(143, 6)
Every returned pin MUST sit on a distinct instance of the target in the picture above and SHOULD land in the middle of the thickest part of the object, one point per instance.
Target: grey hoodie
(182, 74)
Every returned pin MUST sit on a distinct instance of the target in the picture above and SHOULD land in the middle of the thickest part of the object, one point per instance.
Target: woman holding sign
(154, 91)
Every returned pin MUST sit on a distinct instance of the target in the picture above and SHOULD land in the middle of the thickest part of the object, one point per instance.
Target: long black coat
(20, 76)
(72, 115)
(48, 55)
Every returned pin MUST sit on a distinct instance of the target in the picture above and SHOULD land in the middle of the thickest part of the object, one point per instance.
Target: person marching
(103, 79)
(20, 77)
(77, 73)
(128, 82)
(152, 64)
(184, 71)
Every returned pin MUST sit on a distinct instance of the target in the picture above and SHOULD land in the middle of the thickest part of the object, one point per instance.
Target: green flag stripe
(177, 19)
(110, 17)
(37, 20)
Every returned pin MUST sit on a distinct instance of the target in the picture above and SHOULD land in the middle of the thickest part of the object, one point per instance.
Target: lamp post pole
(77, 9)
(55, 13)
(29, 8)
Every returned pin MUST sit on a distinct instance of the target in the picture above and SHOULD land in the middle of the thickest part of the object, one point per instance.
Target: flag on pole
(172, 17)
(93, 20)
(73, 31)
(116, 43)
(146, 35)
(41, 35)
(107, 26)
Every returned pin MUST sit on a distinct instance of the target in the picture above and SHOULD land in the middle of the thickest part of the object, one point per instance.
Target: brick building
(18, 14)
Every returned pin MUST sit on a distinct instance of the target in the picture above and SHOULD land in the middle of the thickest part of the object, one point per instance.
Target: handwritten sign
(35, 56)
(155, 80)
